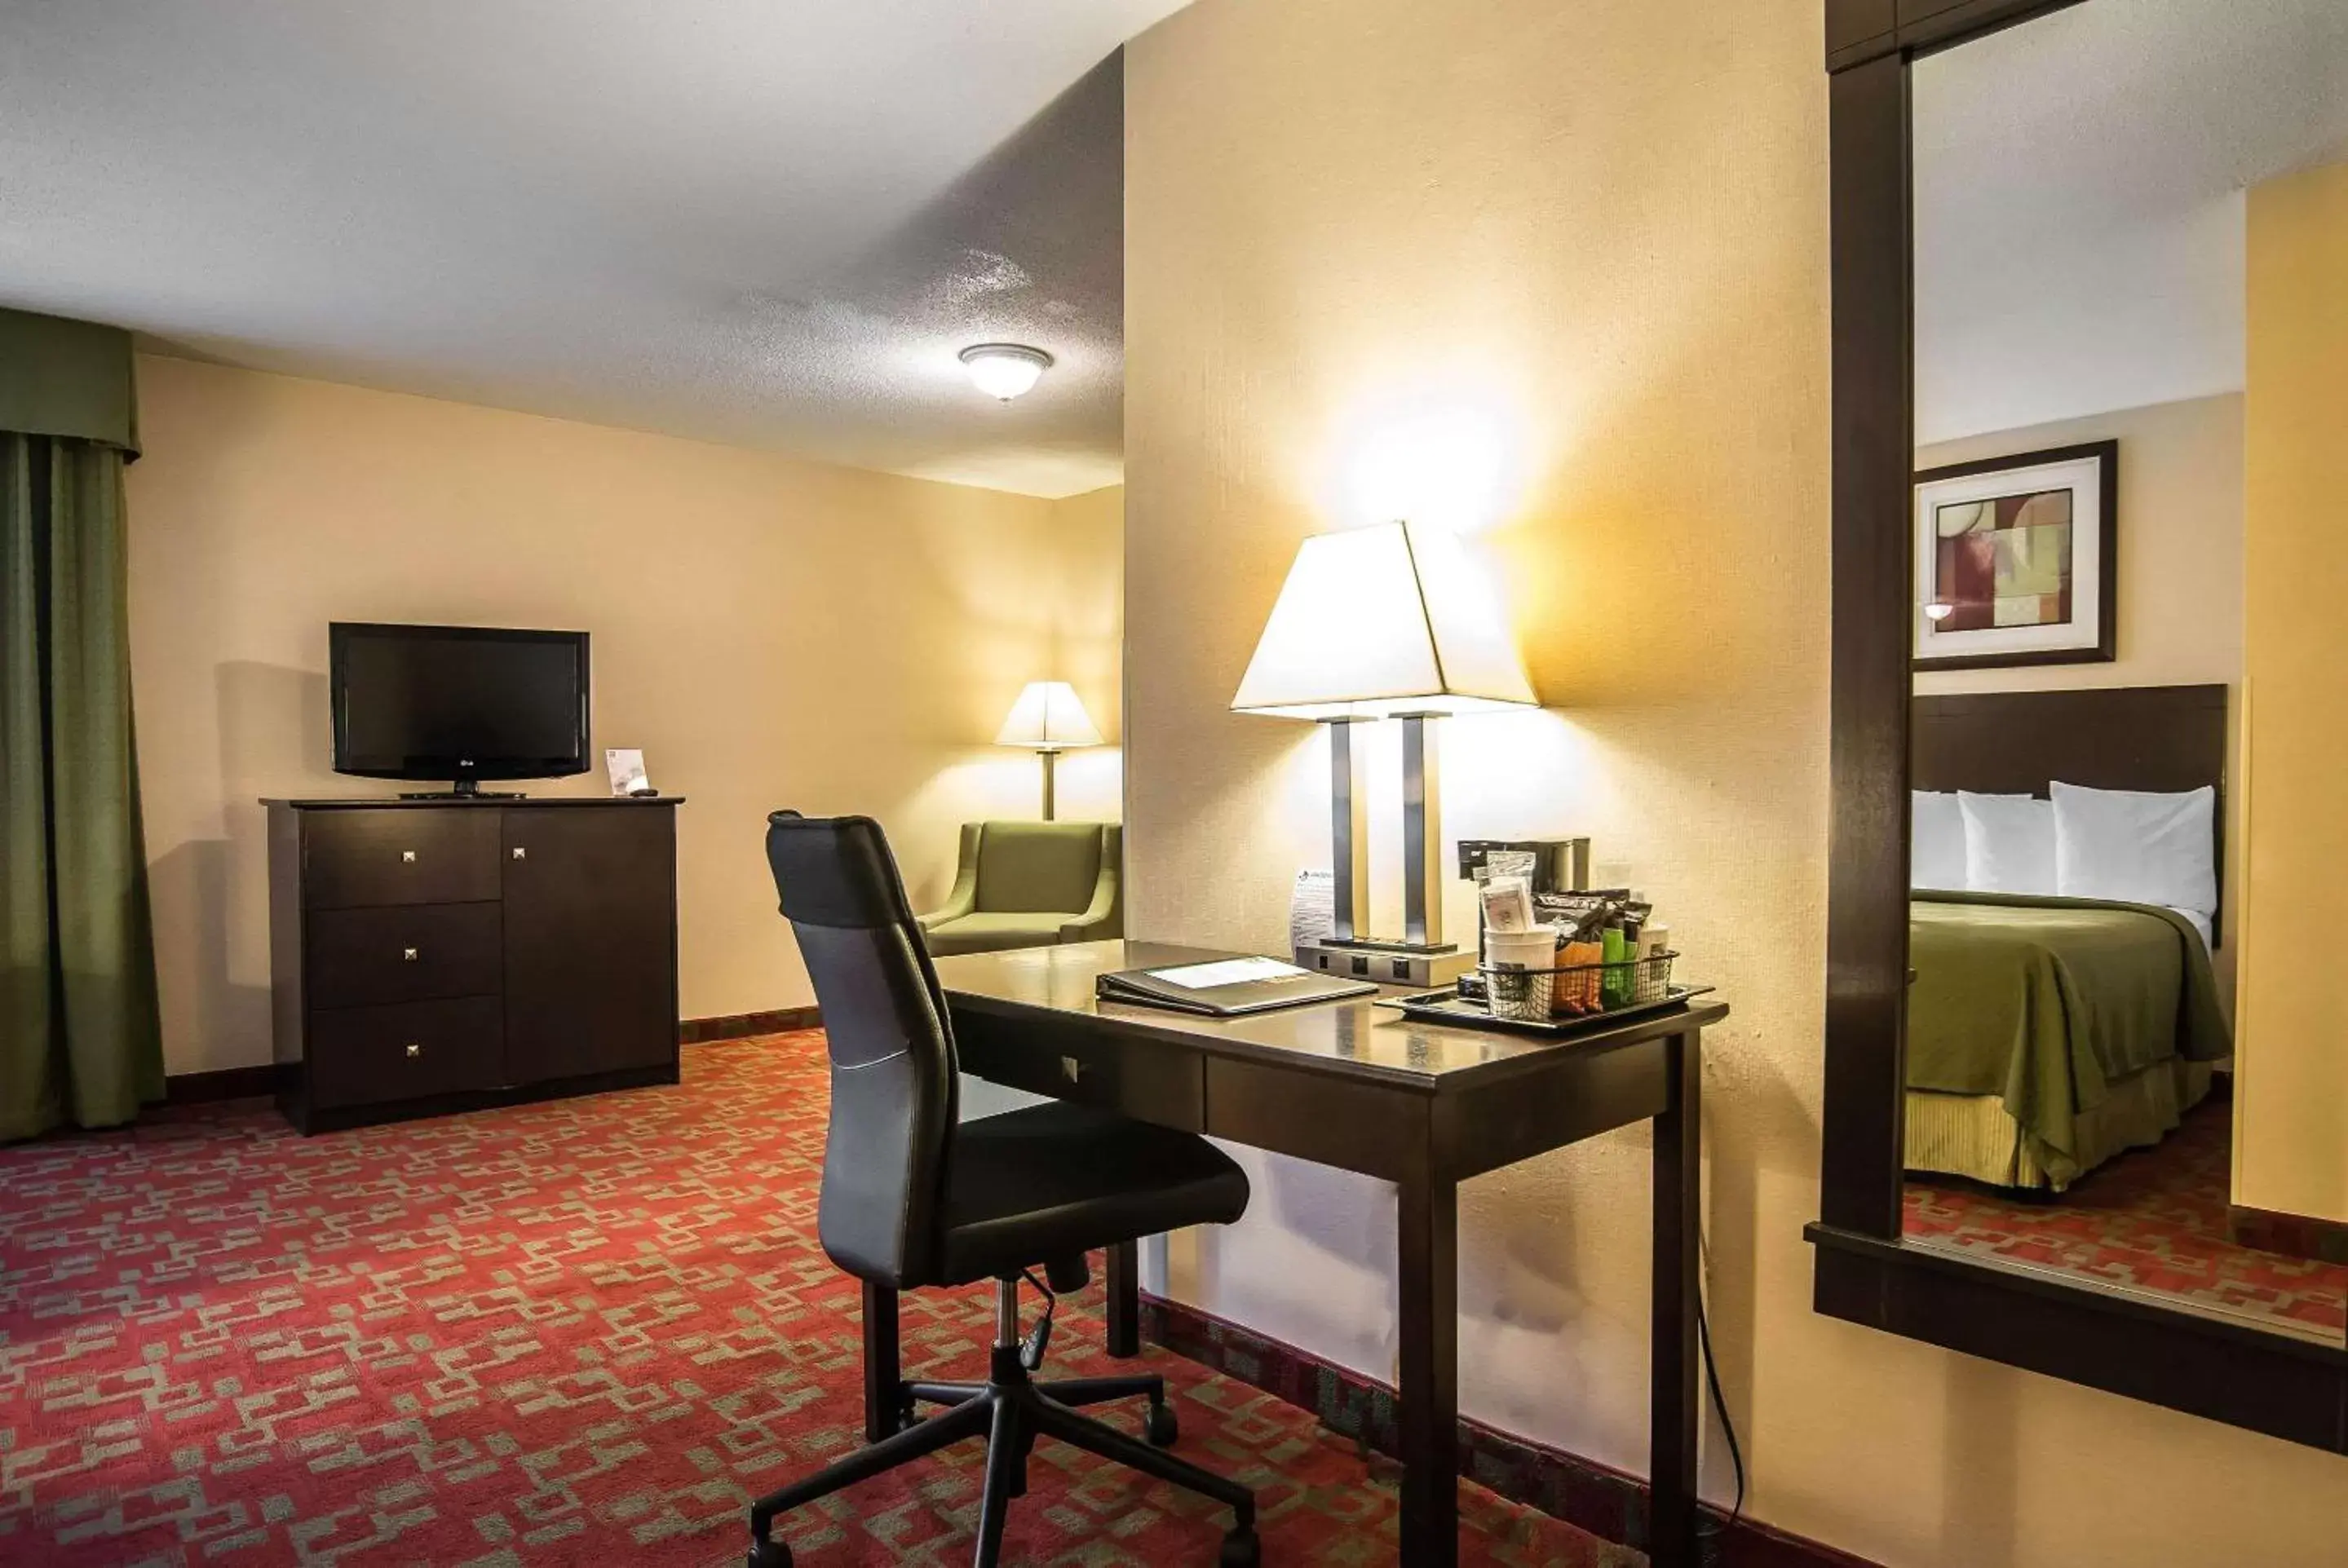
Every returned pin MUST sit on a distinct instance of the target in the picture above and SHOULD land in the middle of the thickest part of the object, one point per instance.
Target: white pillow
(2008, 843)
(1936, 846)
(2136, 847)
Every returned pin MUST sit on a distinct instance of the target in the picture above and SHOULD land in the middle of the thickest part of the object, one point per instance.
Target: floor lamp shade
(1047, 718)
(1385, 622)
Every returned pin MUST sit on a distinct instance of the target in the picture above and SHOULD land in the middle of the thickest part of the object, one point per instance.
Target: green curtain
(80, 1037)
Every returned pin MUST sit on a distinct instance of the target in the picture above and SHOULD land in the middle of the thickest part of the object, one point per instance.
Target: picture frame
(2017, 560)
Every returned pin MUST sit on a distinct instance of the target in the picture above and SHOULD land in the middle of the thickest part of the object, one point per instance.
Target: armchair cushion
(993, 933)
(1030, 884)
(1027, 867)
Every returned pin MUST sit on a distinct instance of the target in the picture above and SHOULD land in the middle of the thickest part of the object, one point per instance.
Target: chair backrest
(1030, 867)
(893, 1054)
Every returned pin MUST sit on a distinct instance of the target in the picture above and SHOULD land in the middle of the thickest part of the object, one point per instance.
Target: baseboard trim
(224, 1083)
(1591, 1496)
(2295, 1235)
(743, 1025)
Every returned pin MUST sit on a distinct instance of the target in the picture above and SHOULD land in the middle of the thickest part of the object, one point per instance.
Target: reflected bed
(2046, 1035)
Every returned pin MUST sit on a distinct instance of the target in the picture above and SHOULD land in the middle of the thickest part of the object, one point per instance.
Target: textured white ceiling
(2079, 200)
(769, 223)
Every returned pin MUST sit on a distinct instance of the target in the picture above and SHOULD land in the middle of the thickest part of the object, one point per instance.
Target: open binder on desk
(1228, 988)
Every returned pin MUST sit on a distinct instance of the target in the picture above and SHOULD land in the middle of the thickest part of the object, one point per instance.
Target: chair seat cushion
(993, 933)
(1059, 1180)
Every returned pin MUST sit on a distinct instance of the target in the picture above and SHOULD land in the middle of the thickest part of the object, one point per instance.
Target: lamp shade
(1047, 718)
(1379, 622)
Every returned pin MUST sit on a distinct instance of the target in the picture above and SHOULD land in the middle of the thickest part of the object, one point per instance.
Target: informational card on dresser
(627, 770)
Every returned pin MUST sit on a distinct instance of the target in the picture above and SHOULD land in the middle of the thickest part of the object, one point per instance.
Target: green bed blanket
(2045, 1001)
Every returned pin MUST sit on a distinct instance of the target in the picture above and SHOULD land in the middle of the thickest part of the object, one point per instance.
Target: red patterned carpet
(580, 1332)
(2154, 1220)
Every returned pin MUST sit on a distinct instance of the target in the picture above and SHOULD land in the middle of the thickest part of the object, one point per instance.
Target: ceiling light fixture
(1005, 370)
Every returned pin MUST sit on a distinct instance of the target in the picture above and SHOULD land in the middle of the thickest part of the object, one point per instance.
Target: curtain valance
(67, 378)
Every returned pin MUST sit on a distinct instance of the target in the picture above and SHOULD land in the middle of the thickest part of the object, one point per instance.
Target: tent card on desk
(1312, 908)
(627, 770)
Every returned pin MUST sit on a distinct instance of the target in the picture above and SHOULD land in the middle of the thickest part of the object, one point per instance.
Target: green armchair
(1030, 884)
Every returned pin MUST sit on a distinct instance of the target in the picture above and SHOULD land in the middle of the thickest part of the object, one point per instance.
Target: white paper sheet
(1225, 972)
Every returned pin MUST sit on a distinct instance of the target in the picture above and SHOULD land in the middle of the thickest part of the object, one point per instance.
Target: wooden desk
(1363, 1089)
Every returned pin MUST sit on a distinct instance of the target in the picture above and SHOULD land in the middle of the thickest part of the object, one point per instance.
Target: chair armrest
(963, 899)
(1106, 916)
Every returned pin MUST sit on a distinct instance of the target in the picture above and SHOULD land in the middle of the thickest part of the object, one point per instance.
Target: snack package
(1507, 905)
(1578, 986)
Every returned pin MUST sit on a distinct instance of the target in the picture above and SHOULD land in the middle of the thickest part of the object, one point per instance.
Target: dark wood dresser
(442, 955)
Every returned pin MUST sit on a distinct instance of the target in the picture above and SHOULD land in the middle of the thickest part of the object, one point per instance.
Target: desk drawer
(1352, 1124)
(1148, 1079)
(364, 1056)
(401, 854)
(405, 952)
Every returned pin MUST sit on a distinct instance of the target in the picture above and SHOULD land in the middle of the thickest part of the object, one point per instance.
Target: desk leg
(1672, 1412)
(882, 1402)
(1123, 1280)
(1428, 1260)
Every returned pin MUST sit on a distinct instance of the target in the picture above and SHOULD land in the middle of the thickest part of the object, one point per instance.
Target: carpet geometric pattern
(585, 1331)
(2152, 1219)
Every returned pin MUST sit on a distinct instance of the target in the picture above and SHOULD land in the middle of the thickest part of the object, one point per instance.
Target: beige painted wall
(1566, 266)
(769, 632)
(2292, 1133)
(2180, 578)
(1088, 596)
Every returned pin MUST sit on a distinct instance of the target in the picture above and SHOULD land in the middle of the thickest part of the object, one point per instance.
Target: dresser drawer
(361, 1056)
(405, 952)
(400, 855)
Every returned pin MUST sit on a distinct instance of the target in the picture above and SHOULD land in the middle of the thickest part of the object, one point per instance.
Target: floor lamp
(1048, 720)
(1387, 622)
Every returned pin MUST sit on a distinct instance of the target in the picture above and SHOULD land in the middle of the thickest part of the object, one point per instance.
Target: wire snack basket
(1574, 990)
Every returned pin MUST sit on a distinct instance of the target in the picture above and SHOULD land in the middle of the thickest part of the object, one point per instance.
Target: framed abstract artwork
(2017, 560)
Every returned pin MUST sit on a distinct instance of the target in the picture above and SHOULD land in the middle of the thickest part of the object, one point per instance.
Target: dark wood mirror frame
(2274, 1383)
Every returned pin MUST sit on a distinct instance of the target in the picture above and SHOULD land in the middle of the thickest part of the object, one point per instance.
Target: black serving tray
(1449, 1007)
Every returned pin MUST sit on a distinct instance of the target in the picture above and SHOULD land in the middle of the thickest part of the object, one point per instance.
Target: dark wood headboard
(2118, 737)
(2165, 738)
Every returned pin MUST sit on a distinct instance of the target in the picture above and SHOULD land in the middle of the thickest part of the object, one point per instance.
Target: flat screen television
(457, 702)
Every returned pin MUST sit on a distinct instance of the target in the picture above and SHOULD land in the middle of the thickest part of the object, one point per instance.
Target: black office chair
(911, 1199)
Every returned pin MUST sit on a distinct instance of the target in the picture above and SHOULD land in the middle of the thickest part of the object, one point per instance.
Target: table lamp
(1048, 719)
(1392, 621)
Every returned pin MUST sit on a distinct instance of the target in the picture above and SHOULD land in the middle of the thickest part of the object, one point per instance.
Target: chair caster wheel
(1160, 1428)
(1239, 1551)
(773, 1554)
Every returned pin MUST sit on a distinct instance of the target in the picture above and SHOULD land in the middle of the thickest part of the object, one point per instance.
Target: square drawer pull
(415, 1049)
(409, 954)
(520, 853)
(407, 857)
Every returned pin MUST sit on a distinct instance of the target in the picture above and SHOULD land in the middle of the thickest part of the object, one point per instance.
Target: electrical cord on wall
(1719, 1401)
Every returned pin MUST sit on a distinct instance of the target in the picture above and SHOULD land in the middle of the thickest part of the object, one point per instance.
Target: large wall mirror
(2088, 1062)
